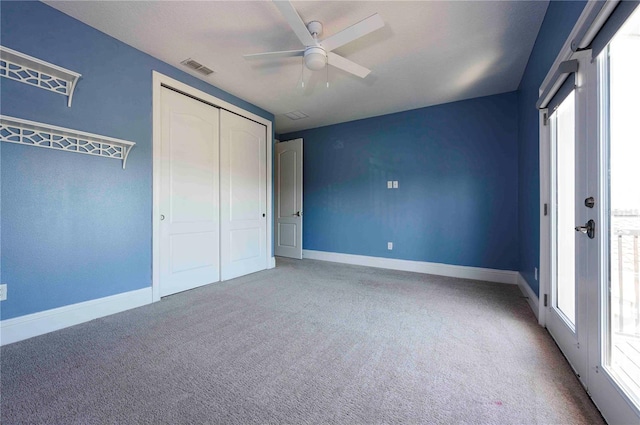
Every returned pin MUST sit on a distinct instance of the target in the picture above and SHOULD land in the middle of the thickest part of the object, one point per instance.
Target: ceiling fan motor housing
(315, 28)
(315, 58)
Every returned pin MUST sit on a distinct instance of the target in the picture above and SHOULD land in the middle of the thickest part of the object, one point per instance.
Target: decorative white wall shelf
(16, 130)
(27, 69)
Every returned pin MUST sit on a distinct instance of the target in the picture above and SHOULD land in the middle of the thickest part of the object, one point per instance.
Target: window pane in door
(624, 205)
(564, 134)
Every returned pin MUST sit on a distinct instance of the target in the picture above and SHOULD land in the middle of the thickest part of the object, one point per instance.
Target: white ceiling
(428, 53)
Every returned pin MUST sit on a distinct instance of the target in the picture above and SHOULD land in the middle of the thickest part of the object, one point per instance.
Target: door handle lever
(589, 229)
(299, 214)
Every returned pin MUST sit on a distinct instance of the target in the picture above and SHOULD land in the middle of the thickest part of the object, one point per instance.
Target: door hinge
(545, 300)
(545, 119)
(545, 209)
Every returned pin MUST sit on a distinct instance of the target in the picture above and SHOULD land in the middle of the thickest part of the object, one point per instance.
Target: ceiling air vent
(296, 115)
(197, 66)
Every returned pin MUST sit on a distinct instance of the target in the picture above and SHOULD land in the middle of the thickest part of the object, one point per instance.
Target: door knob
(161, 217)
(589, 229)
(299, 213)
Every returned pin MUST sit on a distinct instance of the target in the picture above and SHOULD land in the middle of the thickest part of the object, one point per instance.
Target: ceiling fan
(318, 53)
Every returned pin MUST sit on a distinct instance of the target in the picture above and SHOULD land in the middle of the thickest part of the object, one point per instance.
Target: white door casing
(243, 193)
(288, 196)
(189, 194)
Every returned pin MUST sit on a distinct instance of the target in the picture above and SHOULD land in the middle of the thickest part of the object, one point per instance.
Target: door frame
(158, 81)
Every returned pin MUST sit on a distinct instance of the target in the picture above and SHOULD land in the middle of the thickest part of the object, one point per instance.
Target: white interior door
(243, 191)
(288, 191)
(189, 194)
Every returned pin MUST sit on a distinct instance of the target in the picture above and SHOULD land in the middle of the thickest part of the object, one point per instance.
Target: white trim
(531, 297)
(30, 325)
(463, 272)
(158, 81)
(272, 262)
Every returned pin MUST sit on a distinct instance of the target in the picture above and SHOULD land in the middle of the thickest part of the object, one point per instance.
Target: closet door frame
(160, 80)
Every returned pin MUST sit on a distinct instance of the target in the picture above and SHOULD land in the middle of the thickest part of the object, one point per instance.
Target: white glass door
(615, 382)
(566, 313)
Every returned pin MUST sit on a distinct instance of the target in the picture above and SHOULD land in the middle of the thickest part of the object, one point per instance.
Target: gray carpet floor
(308, 342)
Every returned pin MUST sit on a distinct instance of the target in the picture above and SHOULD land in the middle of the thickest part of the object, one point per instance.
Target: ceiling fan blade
(355, 31)
(295, 22)
(347, 65)
(274, 55)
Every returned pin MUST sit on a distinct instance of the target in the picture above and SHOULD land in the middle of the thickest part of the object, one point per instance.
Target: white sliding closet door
(189, 194)
(243, 196)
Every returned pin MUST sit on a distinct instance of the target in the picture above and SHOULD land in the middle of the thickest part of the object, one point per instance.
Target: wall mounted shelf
(27, 69)
(16, 130)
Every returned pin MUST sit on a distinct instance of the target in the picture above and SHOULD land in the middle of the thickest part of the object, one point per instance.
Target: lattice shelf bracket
(27, 69)
(16, 130)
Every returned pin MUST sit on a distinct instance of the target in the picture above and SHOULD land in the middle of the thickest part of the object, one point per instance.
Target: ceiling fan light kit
(315, 58)
(318, 53)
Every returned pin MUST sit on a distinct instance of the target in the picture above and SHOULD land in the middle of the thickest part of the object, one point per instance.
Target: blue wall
(558, 22)
(78, 227)
(457, 170)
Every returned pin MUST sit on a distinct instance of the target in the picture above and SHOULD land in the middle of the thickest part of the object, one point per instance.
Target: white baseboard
(272, 262)
(30, 325)
(463, 272)
(532, 298)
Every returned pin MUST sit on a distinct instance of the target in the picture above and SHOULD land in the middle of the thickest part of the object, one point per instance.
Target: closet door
(243, 191)
(189, 194)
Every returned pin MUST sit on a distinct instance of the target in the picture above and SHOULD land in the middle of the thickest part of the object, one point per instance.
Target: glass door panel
(621, 104)
(563, 133)
(565, 316)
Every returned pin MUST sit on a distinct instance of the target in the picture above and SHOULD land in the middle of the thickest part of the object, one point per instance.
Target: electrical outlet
(395, 184)
(389, 184)
(535, 273)
(3, 292)
(390, 246)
